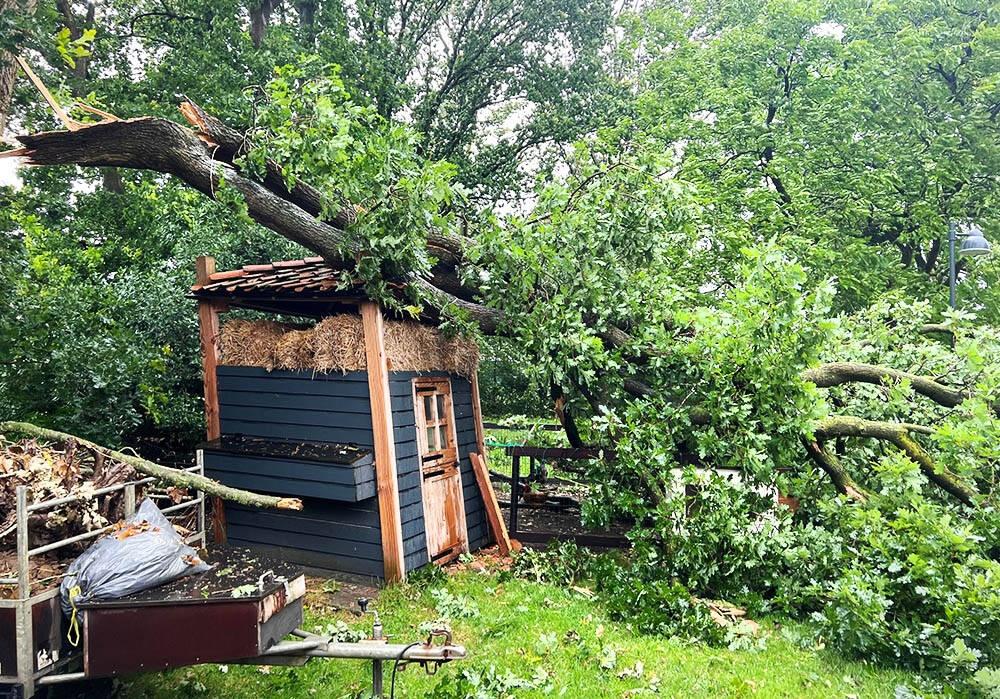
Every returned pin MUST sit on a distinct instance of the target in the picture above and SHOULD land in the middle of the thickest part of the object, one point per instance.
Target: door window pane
(433, 413)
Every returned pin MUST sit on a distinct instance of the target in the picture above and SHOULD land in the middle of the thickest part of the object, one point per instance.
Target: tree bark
(260, 18)
(901, 435)
(160, 145)
(8, 65)
(838, 373)
(181, 479)
(830, 464)
(565, 417)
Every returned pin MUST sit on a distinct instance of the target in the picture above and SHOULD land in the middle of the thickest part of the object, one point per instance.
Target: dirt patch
(326, 595)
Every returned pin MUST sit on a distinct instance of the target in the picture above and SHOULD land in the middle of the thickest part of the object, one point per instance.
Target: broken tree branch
(182, 479)
(837, 373)
(830, 464)
(899, 434)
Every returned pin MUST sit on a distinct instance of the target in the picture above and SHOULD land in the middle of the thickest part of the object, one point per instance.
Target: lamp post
(974, 244)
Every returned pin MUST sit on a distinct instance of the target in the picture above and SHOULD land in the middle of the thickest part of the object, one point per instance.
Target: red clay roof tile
(291, 277)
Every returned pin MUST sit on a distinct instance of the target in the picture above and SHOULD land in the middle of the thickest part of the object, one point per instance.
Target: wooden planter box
(339, 472)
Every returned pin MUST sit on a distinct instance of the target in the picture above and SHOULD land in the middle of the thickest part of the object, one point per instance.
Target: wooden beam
(208, 333)
(477, 414)
(493, 514)
(477, 418)
(385, 447)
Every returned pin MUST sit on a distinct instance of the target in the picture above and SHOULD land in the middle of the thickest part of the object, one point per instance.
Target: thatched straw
(338, 344)
(251, 342)
(411, 347)
(295, 349)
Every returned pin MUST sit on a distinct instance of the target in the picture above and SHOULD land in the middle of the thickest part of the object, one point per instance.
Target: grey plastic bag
(144, 553)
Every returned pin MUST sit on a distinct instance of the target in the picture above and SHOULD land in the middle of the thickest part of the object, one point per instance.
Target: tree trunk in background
(111, 180)
(307, 20)
(260, 18)
(307, 14)
(76, 26)
(8, 66)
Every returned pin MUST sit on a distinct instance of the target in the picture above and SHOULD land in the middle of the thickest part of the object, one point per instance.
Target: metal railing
(24, 553)
(27, 675)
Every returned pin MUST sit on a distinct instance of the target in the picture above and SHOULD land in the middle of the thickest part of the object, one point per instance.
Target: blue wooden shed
(379, 456)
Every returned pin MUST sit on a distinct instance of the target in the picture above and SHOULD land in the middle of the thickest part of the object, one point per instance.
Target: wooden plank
(293, 416)
(293, 526)
(285, 485)
(313, 559)
(360, 405)
(477, 416)
(559, 452)
(208, 334)
(304, 470)
(393, 559)
(326, 515)
(493, 514)
(308, 433)
(589, 540)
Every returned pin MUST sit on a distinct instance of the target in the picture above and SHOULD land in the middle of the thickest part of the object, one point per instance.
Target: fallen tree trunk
(173, 476)
(160, 145)
(207, 160)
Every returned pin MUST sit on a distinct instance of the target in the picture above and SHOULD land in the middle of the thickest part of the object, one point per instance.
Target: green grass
(557, 636)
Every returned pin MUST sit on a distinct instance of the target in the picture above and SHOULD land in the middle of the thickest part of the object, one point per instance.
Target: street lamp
(974, 244)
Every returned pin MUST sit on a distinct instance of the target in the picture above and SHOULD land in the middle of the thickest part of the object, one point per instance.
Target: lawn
(557, 641)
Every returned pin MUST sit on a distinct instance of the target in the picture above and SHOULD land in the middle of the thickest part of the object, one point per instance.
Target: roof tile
(290, 277)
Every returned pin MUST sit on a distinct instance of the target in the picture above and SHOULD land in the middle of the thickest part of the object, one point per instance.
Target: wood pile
(55, 472)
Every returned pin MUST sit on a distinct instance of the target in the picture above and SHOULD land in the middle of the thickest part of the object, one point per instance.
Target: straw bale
(296, 349)
(338, 344)
(411, 346)
(251, 342)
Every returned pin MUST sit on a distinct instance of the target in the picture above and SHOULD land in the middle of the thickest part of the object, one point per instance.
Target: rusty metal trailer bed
(242, 610)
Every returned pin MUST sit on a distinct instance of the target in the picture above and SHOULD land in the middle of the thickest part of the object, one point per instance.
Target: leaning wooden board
(493, 514)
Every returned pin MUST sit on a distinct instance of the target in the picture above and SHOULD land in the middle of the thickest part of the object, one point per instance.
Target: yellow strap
(73, 635)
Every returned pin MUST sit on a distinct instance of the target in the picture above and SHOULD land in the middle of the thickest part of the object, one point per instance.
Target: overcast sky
(8, 173)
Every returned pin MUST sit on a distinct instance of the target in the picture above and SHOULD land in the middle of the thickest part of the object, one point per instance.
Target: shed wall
(301, 405)
(335, 407)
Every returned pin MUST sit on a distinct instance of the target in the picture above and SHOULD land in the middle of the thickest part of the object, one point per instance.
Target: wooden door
(441, 478)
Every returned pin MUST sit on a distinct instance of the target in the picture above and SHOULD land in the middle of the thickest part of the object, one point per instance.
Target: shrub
(919, 588)
(562, 563)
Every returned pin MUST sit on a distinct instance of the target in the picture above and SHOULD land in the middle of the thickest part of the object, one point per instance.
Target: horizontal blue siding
(330, 535)
(335, 408)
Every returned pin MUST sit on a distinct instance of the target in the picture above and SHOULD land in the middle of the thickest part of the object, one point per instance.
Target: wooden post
(394, 567)
(477, 418)
(208, 332)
